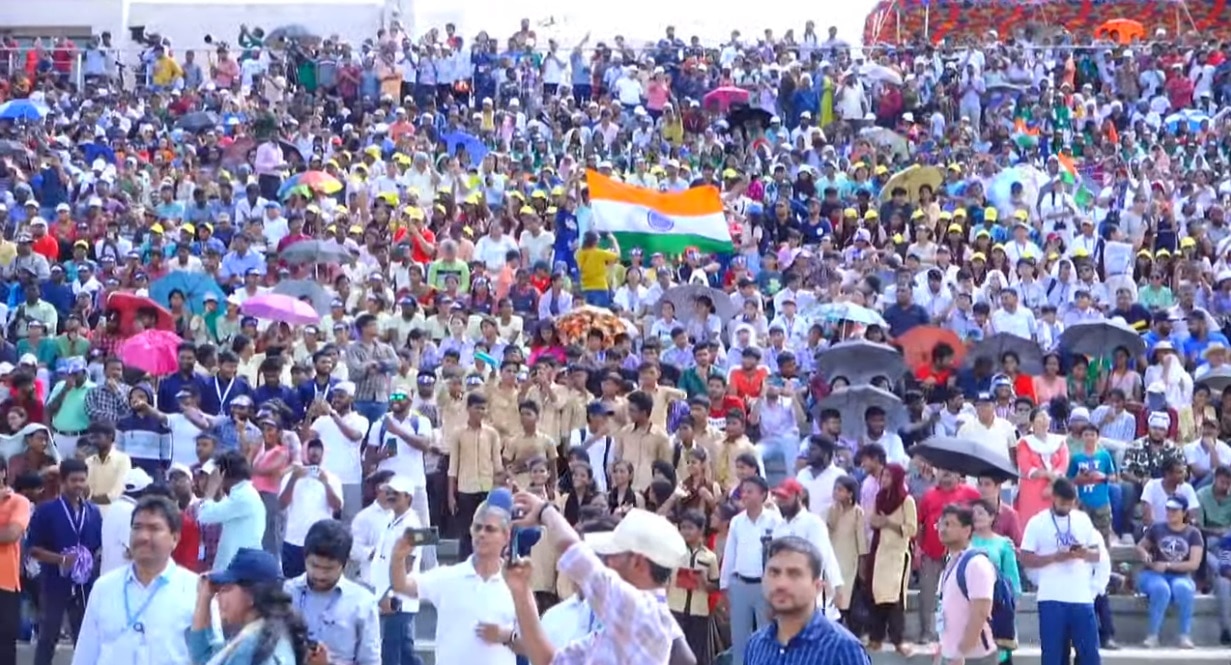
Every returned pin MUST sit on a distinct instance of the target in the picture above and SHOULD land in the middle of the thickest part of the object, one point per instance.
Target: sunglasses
(398, 397)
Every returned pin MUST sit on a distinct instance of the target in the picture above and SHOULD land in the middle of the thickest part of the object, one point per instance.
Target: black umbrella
(742, 115)
(1029, 355)
(965, 456)
(315, 251)
(860, 361)
(1099, 338)
(197, 121)
(1217, 380)
(306, 289)
(290, 32)
(852, 405)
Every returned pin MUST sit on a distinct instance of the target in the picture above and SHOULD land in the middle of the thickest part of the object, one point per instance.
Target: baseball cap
(789, 489)
(401, 485)
(645, 533)
(136, 480)
(249, 566)
(1176, 502)
(179, 467)
(344, 387)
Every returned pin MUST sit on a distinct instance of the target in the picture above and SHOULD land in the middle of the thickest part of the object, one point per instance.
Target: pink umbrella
(153, 351)
(721, 99)
(279, 307)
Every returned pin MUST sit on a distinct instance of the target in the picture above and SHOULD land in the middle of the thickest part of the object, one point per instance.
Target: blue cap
(248, 321)
(427, 379)
(74, 365)
(250, 566)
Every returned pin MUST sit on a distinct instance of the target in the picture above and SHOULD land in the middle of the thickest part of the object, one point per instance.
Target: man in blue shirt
(66, 536)
(1199, 337)
(231, 501)
(799, 634)
(240, 260)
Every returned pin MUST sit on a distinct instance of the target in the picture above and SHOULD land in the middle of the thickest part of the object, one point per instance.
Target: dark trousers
(697, 634)
(1065, 624)
(397, 639)
(886, 619)
(10, 625)
(1106, 624)
(54, 603)
(292, 561)
(467, 505)
(437, 489)
(269, 184)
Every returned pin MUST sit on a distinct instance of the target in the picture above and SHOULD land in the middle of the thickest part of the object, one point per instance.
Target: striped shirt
(1121, 428)
(821, 641)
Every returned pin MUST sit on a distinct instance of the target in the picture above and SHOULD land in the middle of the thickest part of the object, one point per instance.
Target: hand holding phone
(423, 537)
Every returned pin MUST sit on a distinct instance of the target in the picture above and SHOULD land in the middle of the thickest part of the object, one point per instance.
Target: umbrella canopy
(1123, 31)
(152, 351)
(919, 342)
(290, 32)
(965, 456)
(198, 121)
(718, 101)
(684, 298)
(844, 311)
(860, 361)
(194, 286)
(314, 251)
(880, 74)
(22, 109)
(1029, 356)
(999, 192)
(306, 289)
(1217, 380)
(1190, 119)
(279, 307)
(852, 404)
(475, 149)
(315, 181)
(742, 115)
(912, 178)
(130, 306)
(1101, 338)
(889, 139)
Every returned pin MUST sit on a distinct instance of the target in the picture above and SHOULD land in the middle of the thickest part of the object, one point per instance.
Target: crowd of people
(283, 321)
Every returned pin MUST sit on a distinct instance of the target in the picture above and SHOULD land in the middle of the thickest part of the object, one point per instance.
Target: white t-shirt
(117, 534)
(1001, 436)
(540, 247)
(1199, 459)
(492, 252)
(183, 439)
(408, 461)
(378, 572)
(309, 505)
(1154, 494)
(820, 488)
(1020, 323)
(1068, 581)
(463, 599)
(341, 454)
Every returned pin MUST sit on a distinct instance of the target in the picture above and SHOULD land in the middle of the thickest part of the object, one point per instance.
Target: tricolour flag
(1082, 195)
(667, 222)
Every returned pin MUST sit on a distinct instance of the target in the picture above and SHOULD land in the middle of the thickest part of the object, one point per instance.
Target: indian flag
(1069, 174)
(1026, 138)
(667, 222)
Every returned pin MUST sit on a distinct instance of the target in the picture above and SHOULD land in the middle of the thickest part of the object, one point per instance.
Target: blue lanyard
(325, 618)
(134, 620)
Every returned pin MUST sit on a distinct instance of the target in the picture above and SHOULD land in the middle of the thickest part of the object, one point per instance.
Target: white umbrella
(880, 74)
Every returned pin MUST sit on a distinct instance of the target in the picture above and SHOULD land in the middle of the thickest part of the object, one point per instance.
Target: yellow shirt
(474, 458)
(642, 448)
(166, 71)
(502, 410)
(592, 265)
(106, 477)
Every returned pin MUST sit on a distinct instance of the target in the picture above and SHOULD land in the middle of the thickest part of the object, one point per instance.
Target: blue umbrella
(474, 147)
(22, 109)
(1190, 118)
(193, 285)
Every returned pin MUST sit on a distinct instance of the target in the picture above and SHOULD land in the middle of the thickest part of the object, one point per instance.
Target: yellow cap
(372, 150)
(526, 210)
(538, 194)
(414, 213)
(871, 214)
(881, 169)
(955, 228)
(998, 247)
(439, 208)
(1022, 215)
(467, 231)
(341, 210)
(473, 199)
(991, 214)
(898, 239)
(331, 229)
(1145, 254)
(858, 165)
(983, 233)
(517, 195)
(955, 167)
(850, 212)
(730, 173)
(946, 215)
(960, 212)
(1080, 253)
(157, 228)
(355, 228)
(1185, 243)
(978, 256)
(1162, 252)
(551, 210)
(313, 208)
(557, 191)
(189, 228)
(1053, 256)
(917, 214)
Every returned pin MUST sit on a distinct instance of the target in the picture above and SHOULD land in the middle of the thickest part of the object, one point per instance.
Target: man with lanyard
(138, 614)
(595, 438)
(65, 538)
(218, 391)
(397, 611)
(1062, 546)
(341, 615)
(398, 442)
(964, 599)
(322, 381)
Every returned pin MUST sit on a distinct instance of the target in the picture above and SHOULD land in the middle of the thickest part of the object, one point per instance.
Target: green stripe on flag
(670, 244)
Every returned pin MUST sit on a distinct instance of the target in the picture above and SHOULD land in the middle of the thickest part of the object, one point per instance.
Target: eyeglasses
(398, 397)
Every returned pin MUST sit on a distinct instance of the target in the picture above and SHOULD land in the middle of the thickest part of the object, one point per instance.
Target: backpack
(1003, 618)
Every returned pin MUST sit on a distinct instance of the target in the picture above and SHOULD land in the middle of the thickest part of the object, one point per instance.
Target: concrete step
(1031, 655)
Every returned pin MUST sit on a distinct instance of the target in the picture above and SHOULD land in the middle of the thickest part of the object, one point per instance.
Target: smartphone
(423, 537)
(314, 472)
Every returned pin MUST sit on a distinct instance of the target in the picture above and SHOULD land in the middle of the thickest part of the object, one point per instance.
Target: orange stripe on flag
(1067, 163)
(688, 203)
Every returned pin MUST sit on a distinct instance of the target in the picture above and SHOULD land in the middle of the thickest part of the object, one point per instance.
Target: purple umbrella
(278, 307)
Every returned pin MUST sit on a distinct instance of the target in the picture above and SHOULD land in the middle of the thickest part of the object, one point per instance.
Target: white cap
(136, 480)
(400, 484)
(28, 359)
(344, 387)
(645, 533)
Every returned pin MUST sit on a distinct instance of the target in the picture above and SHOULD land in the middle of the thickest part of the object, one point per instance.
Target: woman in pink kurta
(1041, 458)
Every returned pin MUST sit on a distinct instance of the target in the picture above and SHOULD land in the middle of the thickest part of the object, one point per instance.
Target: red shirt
(930, 508)
(729, 402)
(187, 551)
(418, 250)
(48, 246)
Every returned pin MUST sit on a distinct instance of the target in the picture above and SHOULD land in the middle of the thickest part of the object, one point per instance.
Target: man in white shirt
(274, 227)
(342, 429)
(1013, 319)
(400, 439)
(743, 564)
(1207, 453)
(1156, 491)
(468, 595)
(1061, 547)
(309, 494)
(117, 521)
(368, 526)
(819, 475)
(987, 428)
(139, 613)
(597, 441)
(397, 611)
(493, 249)
(796, 521)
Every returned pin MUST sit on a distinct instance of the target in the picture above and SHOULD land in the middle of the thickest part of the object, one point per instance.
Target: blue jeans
(1163, 588)
(397, 639)
(597, 298)
(1116, 493)
(1064, 624)
(373, 411)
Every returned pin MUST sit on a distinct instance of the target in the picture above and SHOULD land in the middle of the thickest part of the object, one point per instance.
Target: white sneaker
(1150, 642)
(1186, 642)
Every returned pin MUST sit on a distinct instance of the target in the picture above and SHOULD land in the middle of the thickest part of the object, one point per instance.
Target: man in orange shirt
(14, 518)
(44, 243)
